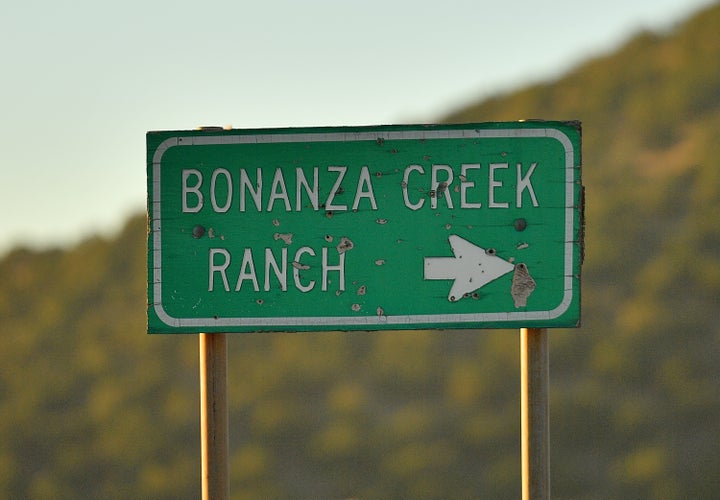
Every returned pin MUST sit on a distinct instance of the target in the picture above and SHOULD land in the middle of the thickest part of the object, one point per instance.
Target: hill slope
(91, 407)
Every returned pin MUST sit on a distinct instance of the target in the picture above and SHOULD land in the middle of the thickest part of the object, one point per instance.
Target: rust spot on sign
(345, 245)
(286, 237)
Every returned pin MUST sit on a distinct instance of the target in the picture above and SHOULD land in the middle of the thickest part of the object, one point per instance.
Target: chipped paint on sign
(522, 285)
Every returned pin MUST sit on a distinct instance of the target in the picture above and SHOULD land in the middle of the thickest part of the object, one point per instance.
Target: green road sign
(364, 228)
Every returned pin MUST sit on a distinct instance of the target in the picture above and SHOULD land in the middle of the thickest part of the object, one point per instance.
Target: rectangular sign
(365, 228)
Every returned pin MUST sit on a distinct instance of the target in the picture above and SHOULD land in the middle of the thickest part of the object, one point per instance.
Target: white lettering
(186, 173)
(327, 268)
(296, 269)
(228, 199)
(311, 192)
(247, 271)
(278, 191)
(280, 272)
(276, 270)
(466, 184)
(220, 269)
(524, 183)
(329, 202)
(492, 184)
(364, 180)
(405, 181)
(439, 188)
(256, 193)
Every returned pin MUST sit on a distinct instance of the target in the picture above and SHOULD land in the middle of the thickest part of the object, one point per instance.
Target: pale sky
(83, 81)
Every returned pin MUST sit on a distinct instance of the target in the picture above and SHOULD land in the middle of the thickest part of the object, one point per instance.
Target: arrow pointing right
(472, 267)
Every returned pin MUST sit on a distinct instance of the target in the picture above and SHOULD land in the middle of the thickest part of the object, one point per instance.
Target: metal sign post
(214, 416)
(534, 413)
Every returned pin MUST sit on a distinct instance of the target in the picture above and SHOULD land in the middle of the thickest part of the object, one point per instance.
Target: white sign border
(360, 321)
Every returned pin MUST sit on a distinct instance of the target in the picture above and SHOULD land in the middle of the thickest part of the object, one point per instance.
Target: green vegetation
(91, 407)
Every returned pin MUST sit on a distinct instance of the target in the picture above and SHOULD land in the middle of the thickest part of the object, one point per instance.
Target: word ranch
(264, 269)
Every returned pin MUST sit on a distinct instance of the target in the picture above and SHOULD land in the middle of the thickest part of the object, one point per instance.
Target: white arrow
(471, 268)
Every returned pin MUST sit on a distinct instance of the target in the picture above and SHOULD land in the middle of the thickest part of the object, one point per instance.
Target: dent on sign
(457, 226)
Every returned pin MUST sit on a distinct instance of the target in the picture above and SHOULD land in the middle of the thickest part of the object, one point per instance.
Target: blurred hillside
(91, 407)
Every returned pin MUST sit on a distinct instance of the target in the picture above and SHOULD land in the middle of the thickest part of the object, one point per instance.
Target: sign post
(214, 416)
(534, 413)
